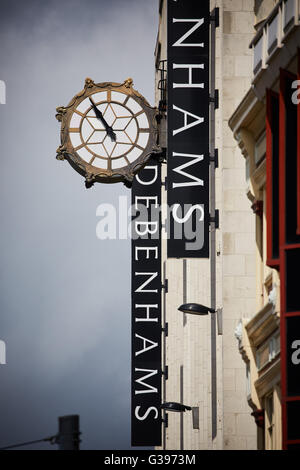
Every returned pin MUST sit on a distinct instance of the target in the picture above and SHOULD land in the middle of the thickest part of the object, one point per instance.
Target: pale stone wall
(234, 72)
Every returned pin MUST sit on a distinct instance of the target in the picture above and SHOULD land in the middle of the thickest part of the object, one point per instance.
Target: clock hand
(99, 115)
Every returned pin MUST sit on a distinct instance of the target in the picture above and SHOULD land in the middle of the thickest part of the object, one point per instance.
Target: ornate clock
(108, 132)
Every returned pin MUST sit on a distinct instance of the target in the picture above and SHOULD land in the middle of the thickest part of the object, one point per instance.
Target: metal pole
(68, 438)
(181, 413)
(213, 229)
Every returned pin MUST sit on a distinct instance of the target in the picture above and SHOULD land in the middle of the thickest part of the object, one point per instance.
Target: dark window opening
(292, 280)
(291, 165)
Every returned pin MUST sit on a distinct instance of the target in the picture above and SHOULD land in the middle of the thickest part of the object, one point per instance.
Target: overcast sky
(65, 295)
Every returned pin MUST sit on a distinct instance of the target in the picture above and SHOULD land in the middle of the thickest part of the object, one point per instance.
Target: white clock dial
(126, 118)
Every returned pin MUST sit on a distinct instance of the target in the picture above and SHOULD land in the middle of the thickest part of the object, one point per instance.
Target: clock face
(123, 114)
(108, 132)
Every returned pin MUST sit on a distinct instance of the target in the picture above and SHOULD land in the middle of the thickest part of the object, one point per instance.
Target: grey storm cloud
(64, 294)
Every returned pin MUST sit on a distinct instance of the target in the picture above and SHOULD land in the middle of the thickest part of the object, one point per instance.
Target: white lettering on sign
(195, 159)
(145, 415)
(190, 68)
(184, 219)
(197, 25)
(147, 199)
(296, 354)
(148, 249)
(147, 228)
(152, 344)
(150, 278)
(147, 308)
(197, 120)
(141, 381)
(148, 183)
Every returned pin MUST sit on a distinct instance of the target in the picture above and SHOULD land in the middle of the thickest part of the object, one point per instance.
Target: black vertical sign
(188, 128)
(146, 308)
(293, 380)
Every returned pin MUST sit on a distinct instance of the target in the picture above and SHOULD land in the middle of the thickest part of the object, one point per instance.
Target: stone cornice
(262, 325)
(268, 378)
(245, 112)
(259, 175)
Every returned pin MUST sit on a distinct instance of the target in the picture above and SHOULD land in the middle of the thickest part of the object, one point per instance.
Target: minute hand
(99, 116)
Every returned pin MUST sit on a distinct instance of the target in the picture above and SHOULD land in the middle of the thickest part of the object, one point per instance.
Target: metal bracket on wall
(215, 17)
(162, 86)
(165, 420)
(220, 320)
(165, 372)
(215, 158)
(165, 286)
(215, 99)
(195, 417)
(215, 219)
(161, 157)
(165, 330)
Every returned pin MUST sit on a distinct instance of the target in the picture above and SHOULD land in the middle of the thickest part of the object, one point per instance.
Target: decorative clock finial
(128, 82)
(88, 82)
(89, 181)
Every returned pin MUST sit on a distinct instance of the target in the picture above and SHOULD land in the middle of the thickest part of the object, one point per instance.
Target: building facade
(232, 381)
(222, 417)
(266, 129)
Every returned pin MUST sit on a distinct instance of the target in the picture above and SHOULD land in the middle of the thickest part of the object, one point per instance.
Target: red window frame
(271, 261)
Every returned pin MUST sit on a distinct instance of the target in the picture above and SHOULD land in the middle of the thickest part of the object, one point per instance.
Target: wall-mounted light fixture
(180, 408)
(173, 406)
(196, 309)
(199, 309)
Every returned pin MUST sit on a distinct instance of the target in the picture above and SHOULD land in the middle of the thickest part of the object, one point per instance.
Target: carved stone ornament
(238, 332)
(108, 132)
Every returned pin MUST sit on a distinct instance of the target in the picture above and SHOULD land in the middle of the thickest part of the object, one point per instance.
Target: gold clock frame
(92, 174)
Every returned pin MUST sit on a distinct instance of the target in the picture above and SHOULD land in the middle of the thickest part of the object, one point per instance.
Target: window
(258, 53)
(288, 14)
(268, 351)
(269, 407)
(292, 280)
(273, 34)
(260, 149)
(262, 356)
(274, 346)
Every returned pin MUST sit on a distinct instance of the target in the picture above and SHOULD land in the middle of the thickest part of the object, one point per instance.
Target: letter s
(142, 418)
(184, 219)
